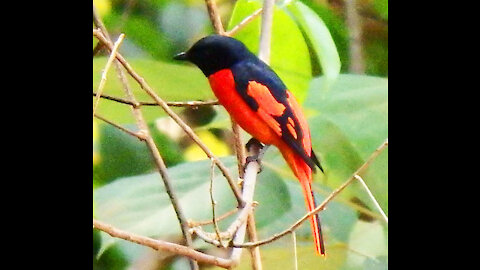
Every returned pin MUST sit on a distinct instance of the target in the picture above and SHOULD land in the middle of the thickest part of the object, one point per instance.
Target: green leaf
(289, 55)
(121, 154)
(172, 82)
(351, 121)
(143, 33)
(320, 38)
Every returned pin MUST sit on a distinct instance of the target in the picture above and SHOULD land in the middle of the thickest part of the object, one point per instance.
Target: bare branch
(194, 103)
(214, 16)
(214, 203)
(138, 135)
(162, 245)
(294, 240)
(243, 23)
(372, 197)
(239, 148)
(207, 222)
(252, 237)
(97, 48)
(250, 178)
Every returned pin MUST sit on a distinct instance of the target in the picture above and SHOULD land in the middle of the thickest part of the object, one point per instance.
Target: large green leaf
(289, 52)
(171, 82)
(320, 38)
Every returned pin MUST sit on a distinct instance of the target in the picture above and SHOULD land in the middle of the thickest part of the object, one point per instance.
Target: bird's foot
(258, 149)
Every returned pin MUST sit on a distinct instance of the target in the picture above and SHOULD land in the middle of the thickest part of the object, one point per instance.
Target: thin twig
(239, 148)
(162, 245)
(193, 103)
(97, 48)
(252, 237)
(176, 118)
(243, 23)
(232, 229)
(138, 135)
(106, 69)
(294, 240)
(322, 205)
(372, 197)
(214, 203)
(240, 220)
(192, 224)
(208, 237)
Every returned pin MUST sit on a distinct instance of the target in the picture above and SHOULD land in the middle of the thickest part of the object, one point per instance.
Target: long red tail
(304, 174)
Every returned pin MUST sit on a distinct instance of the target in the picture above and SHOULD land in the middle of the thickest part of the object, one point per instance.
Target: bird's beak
(181, 56)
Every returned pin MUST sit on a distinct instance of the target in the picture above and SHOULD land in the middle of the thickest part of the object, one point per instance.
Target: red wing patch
(307, 144)
(268, 106)
(264, 98)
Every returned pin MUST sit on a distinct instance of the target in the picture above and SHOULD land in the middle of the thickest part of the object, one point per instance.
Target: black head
(213, 53)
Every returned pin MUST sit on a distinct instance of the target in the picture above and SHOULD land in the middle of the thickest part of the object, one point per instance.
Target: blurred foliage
(348, 117)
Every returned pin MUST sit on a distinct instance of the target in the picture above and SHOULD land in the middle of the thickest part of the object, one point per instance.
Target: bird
(261, 104)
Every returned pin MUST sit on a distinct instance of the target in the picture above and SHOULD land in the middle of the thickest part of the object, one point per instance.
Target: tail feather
(304, 174)
(314, 220)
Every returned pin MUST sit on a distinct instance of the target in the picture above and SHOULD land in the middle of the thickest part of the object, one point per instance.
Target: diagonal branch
(244, 23)
(162, 245)
(138, 135)
(142, 125)
(214, 16)
(375, 202)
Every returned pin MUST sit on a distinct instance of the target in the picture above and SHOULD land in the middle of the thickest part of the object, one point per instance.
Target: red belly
(223, 86)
